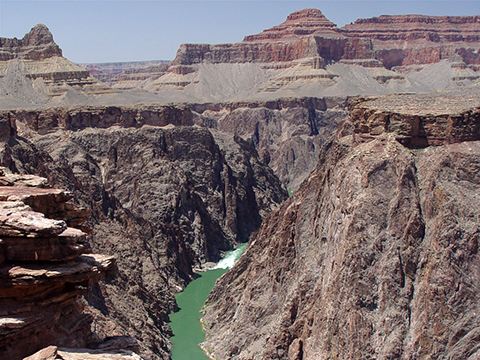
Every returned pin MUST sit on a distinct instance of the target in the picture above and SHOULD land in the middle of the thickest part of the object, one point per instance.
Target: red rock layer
(37, 44)
(43, 273)
(415, 27)
(397, 40)
(418, 39)
(298, 23)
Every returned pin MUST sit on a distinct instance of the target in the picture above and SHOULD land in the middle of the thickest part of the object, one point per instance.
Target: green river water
(185, 323)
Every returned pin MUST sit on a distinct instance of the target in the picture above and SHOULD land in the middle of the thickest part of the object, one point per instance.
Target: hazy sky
(130, 30)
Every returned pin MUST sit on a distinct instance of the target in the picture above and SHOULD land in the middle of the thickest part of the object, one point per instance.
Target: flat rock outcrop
(56, 353)
(419, 120)
(375, 256)
(44, 271)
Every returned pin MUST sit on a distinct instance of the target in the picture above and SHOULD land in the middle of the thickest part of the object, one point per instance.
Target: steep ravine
(376, 255)
(164, 200)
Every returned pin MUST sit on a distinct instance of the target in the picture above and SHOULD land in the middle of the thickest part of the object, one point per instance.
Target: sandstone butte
(39, 59)
(376, 255)
(388, 40)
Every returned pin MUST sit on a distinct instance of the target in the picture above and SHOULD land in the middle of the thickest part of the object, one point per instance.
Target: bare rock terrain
(304, 56)
(309, 54)
(33, 70)
(166, 197)
(374, 257)
(44, 270)
(287, 133)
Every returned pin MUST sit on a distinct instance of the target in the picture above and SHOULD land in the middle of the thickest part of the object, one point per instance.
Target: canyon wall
(394, 40)
(166, 198)
(376, 255)
(287, 133)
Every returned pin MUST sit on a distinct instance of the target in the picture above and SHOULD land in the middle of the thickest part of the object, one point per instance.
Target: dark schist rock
(43, 270)
(375, 256)
(164, 200)
(81, 117)
(287, 133)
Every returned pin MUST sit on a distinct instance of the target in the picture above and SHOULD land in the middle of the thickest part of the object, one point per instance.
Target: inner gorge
(187, 329)
(310, 192)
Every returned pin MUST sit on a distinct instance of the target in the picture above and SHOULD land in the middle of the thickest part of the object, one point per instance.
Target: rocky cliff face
(286, 42)
(309, 54)
(374, 257)
(165, 199)
(287, 133)
(428, 39)
(37, 44)
(43, 268)
(307, 33)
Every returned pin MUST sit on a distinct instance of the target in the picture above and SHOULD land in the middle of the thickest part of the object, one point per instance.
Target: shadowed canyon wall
(164, 199)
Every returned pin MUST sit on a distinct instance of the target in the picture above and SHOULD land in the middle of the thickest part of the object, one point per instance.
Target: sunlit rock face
(166, 197)
(394, 40)
(44, 269)
(376, 255)
(33, 69)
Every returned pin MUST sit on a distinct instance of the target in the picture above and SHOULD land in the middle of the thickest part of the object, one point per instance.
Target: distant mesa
(37, 44)
(305, 55)
(307, 33)
(33, 69)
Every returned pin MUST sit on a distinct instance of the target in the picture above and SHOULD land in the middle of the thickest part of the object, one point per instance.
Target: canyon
(375, 256)
(45, 269)
(166, 197)
(373, 129)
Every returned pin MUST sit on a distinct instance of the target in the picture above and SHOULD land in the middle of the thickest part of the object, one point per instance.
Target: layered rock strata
(309, 54)
(81, 117)
(429, 39)
(33, 69)
(165, 199)
(38, 44)
(375, 256)
(111, 73)
(44, 271)
(287, 133)
(397, 40)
